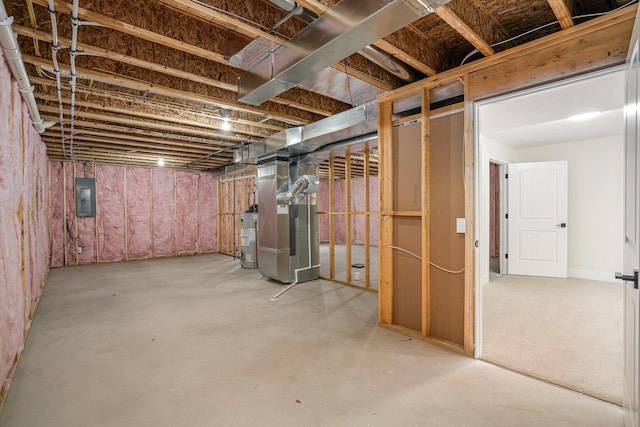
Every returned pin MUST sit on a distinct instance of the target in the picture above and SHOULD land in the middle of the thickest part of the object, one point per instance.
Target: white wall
(596, 209)
(489, 151)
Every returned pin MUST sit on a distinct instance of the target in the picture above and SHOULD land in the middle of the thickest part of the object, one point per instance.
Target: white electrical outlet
(79, 249)
(461, 225)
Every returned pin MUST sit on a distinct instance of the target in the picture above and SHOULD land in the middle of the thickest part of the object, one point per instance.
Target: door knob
(562, 225)
(629, 278)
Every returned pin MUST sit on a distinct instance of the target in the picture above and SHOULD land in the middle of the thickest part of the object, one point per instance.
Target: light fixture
(226, 124)
(161, 161)
(585, 116)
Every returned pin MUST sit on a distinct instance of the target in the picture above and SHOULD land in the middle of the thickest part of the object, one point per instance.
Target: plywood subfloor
(195, 341)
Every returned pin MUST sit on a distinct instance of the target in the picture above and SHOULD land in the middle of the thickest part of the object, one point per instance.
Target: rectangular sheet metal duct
(342, 31)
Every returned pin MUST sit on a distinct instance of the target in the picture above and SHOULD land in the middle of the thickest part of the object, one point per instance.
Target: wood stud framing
(349, 215)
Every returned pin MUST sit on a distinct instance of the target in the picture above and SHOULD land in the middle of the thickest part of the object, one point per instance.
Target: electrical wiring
(430, 262)
(588, 15)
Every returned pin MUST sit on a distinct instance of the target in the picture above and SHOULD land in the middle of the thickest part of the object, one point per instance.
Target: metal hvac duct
(342, 31)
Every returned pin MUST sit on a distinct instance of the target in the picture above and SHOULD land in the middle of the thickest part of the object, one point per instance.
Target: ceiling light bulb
(585, 116)
(161, 161)
(226, 124)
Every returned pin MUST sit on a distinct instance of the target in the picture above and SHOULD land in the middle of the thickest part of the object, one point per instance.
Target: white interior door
(631, 249)
(538, 212)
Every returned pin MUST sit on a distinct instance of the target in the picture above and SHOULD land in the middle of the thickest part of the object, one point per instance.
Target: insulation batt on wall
(24, 218)
(357, 205)
(142, 213)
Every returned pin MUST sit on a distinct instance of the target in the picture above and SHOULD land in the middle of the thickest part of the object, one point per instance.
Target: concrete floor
(195, 341)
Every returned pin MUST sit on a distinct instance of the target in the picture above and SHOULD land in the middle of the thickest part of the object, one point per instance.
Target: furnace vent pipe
(306, 183)
(9, 43)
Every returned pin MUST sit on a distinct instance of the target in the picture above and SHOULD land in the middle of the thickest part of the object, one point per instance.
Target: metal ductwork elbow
(308, 184)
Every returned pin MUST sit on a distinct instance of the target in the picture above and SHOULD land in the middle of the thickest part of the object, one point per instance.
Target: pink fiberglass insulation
(339, 221)
(28, 221)
(24, 238)
(357, 194)
(87, 224)
(186, 213)
(39, 201)
(374, 206)
(110, 209)
(70, 222)
(57, 215)
(138, 213)
(323, 206)
(373, 228)
(11, 297)
(208, 213)
(163, 211)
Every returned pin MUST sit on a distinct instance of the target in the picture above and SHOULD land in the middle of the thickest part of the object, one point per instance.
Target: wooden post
(64, 212)
(347, 212)
(175, 210)
(426, 213)
(95, 218)
(469, 208)
(198, 211)
(385, 176)
(367, 219)
(153, 246)
(332, 225)
(50, 212)
(219, 225)
(126, 226)
(75, 221)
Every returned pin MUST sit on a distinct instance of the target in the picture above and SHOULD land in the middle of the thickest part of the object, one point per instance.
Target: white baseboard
(601, 276)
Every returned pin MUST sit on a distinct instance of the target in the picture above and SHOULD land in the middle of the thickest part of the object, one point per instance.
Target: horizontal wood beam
(206, 14)
(135, 123)
(148, 87)
(106, 140)
(132, 112)
(130, 60)
(160, 137)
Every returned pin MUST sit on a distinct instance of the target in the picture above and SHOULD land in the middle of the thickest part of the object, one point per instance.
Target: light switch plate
(461, 225)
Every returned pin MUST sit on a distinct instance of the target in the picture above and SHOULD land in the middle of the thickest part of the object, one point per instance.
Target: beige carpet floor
(565, 331)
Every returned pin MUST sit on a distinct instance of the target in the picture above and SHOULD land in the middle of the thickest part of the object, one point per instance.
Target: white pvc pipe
(75, 23)
(56, 69)
(9, 43)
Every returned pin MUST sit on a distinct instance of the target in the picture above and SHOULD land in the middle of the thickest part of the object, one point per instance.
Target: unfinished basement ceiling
(158, 79)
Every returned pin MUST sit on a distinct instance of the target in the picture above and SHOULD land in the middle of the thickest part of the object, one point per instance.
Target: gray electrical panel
(248, 234)
(85, 197)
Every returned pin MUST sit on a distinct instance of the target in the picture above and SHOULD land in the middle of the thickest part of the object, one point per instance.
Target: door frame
(480, 220)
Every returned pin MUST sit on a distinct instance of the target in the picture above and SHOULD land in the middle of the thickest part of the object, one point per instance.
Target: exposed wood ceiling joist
(156, 78)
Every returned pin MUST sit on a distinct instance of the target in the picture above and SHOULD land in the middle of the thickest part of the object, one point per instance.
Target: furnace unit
(288, 219)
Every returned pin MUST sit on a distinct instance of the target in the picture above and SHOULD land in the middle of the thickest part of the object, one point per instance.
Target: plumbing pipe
(9, 43)
(56, 69)
(75, 23)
